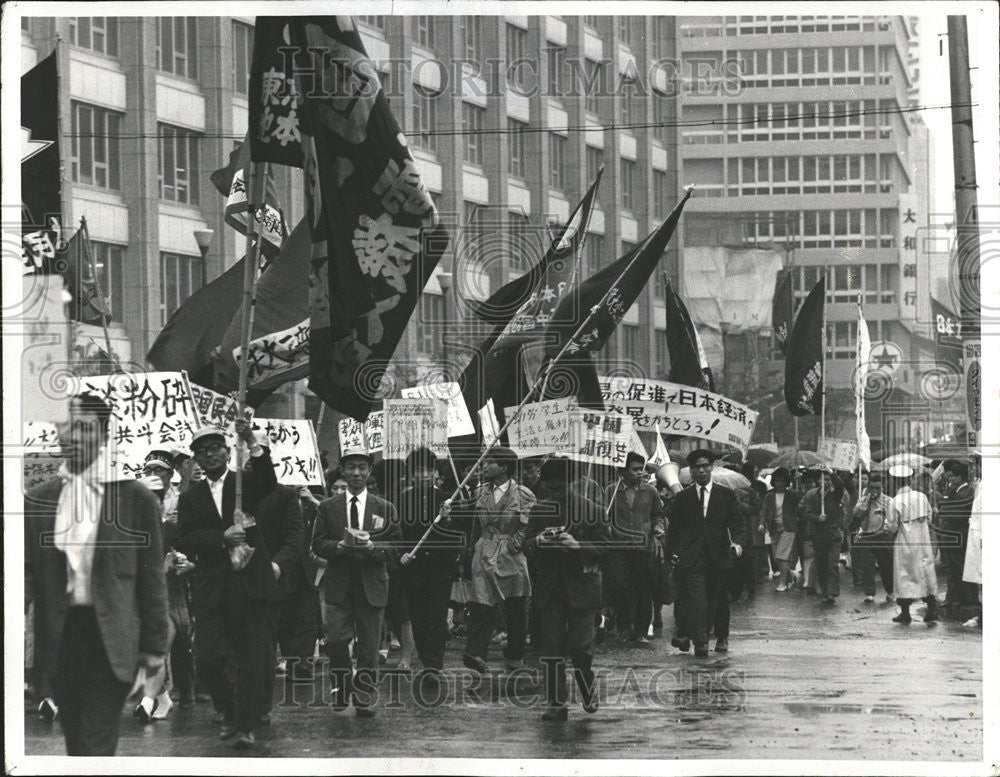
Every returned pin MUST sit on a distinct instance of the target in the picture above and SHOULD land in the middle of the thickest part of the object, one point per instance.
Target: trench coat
(499, 568)
(913, 554)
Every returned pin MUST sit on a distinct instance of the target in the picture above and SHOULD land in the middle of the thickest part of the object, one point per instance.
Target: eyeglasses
(212, 447)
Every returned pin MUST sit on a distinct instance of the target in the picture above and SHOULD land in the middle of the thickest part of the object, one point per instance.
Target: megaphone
(669, 476)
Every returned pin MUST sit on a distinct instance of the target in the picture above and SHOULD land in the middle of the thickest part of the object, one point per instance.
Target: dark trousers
(633, 599)
(298, 628)
(182, 660)
(828, 563)
(234, 645)
(354, 617)
(566, 630)
(428, 603)
(89, 695)
(482, 619)
(870, 552)
(703, 598)
(953, 541)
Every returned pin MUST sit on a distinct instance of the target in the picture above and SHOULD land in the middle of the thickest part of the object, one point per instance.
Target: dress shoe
(202, 698)
(870, 598)
(683, 645)
(903, 617)
(244, 740)
(475, 663)
(163, 706)
(782, 588)
(722, 646)
(228, 730)
(557, 712)
(932, 614)
(47, 710)
(187, 701)
(641, 639)
(364, 712)
(701, 651)
(144, 710)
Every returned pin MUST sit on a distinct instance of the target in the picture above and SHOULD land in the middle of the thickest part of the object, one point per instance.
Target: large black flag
(804, 356)
(584, 320)
(89, 305)
(41, 203)
(783, 309)
(376, 237)
(688, 364)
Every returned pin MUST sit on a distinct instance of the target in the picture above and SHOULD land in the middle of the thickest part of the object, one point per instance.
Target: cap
(159, 458)
(900, 471)
(205, 434)
(349, 453)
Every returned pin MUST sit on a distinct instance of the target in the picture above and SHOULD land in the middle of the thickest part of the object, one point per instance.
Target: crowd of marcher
(541, 556)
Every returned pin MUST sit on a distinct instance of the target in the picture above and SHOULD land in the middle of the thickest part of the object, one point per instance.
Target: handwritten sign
(42, 452)
(840, 454)
(414, 423)
(148, 410)
(42, 319)
(363, 435)
(459, 420)
(488, 422)
(599, 438)
(680, 410)
(541, 428)
(293, 448)
(215, 409)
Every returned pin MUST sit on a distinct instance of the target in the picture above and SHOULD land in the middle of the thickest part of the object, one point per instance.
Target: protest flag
(89, 305)
(375, 232)
(861, 366)
(41, 196)
(230, 181)
(688, 363)
(804, 357)
(584, 320)
(782, 309)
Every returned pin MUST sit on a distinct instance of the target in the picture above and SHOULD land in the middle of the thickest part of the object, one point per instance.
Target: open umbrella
(794, 459)
(912, 460)
(720, 475)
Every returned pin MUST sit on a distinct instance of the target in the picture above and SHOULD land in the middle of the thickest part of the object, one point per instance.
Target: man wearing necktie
(705, 530)
(356, 581)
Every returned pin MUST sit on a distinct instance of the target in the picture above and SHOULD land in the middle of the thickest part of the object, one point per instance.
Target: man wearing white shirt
(94, 569)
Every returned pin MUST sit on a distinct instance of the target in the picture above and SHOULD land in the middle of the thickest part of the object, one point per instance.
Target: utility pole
(966, 221)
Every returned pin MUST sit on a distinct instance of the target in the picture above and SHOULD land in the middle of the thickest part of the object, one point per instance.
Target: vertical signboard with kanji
(909, 224)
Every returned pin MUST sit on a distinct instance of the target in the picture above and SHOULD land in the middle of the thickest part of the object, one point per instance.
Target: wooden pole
(86, 247)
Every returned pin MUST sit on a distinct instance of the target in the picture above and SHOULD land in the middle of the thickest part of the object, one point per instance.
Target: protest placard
(459, 420)
(840, 454)
(680, 410)
(541, 427)
(414, 423)
(599, 438)
(149, 410)
(488, 422)
(365, 435)
(293, 449)
(42, 452)
(215, 409)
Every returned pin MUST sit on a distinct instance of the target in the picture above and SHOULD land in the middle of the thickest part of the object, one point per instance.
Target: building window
(592, 88)
(95, 144)
(425, 31)
(242, 55)
(626, 104)
(472, 126)
(662, 360)
(473, 37)
(374, 21)
(472, 231)
(517, 66)
(591, 21)
(660, 194)
(178, 164)
(594, 251)
(557, 161)
(109, 260)
(595, 161)
(515, 141)
(888, 282)
(524, 249)
(177, 44)
(26, 24)
(630, 341)
(431, 314)
(97, 33)
(842, 339)
(556, 56)
(424, 119)
(625, 29)
(180, 277)
(628, 184)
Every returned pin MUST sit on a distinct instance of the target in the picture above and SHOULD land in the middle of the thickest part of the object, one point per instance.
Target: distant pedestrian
(779, 517)
(874, 527)
(827, 521)
(915, 577)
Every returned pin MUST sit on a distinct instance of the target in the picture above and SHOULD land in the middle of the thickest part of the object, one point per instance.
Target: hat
(205, 434)
(348, 453)
(179, 455)
(158, 458)
(900, 471)
(634, 456)
(701, 453)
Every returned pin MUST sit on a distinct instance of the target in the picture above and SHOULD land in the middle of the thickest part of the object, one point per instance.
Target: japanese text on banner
(414, 423)
(42, 452)
(293, 448)
(364, 435)
(599, 438)
(459, 420)
(541, 428)
(840, 454)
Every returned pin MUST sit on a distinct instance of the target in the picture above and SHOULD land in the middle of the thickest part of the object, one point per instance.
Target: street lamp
(203, 237)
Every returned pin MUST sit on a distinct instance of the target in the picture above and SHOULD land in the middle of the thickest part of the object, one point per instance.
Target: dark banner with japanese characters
(804, 357)
(783, 309)
(375, 232)
(680, 410)
(41, 200)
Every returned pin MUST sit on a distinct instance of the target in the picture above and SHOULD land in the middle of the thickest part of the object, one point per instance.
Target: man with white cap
(230, 605)
(913, 554)
(358, 534)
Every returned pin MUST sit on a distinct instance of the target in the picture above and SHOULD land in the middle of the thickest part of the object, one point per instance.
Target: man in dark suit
(356, 582)
(230, 607)
(637, 530)
(955, 509)
(94, 569)
(706, 529)
(568, 585)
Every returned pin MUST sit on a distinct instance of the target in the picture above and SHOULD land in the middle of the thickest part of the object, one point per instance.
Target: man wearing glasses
(230, 606)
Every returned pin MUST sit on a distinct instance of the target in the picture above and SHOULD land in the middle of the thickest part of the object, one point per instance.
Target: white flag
(660, 455)
(860, 378)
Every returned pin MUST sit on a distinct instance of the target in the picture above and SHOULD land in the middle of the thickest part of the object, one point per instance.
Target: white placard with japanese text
(42, 452)
(840, 454)
(293, 449)
(541, 427)
(599, 438)
(414, 423)
(459, 420)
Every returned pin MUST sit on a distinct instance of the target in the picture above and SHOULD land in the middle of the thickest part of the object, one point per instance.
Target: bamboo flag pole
(822, 416)
(85, 246)
(255, 198)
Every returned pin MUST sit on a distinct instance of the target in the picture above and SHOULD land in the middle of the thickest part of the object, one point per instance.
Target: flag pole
(822, 416)
(86, 247)
(540, 383)
(255, 196)
(859, 389)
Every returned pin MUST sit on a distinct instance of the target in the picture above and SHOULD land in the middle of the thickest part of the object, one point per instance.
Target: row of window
(822, 66)
(848, 228)
(826, 174)
(877, 283)
(96, 156)
(770, 25)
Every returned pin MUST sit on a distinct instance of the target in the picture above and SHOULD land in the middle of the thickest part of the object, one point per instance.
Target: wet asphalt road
(802, 680)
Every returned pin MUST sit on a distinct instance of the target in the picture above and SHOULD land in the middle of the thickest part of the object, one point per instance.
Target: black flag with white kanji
(804, 357)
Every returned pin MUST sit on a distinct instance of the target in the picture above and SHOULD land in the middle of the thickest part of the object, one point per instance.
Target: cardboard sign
(294, 451)
(599, 438)
(840, 454)
(680, 410)
(459, 420)
(414, 423)
(365, 435)
(42, 452)
(149, 410)
(541, 427)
